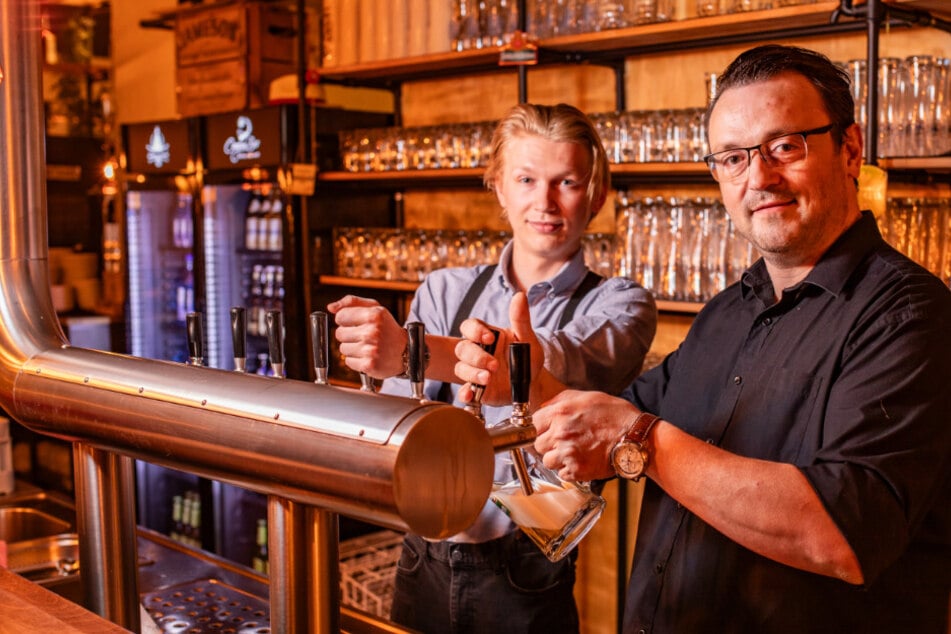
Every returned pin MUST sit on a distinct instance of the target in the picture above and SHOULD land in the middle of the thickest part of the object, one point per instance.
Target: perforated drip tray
(207, 606)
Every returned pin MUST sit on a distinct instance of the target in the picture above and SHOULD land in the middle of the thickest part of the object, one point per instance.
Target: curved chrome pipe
(386, 460)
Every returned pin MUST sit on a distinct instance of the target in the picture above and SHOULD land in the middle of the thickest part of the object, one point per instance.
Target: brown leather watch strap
(640, 428)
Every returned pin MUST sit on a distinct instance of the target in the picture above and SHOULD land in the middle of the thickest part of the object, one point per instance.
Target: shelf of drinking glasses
(677, 34)
(473, 176)
(932, 164)
(361, 282)
(428, 177)
(703, 31)
(679, 172)
(664, 306)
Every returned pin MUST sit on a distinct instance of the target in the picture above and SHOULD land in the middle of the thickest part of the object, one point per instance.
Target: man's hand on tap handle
(370, 339)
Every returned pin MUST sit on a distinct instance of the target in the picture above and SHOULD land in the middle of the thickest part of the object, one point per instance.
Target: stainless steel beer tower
(423, 467)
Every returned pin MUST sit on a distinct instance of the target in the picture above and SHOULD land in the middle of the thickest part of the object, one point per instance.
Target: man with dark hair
(797, 445)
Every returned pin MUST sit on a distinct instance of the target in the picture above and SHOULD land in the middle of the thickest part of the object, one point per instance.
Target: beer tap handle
(275, 341)
(195, 337)
(520, 377)
(320, 342)
(416, 361)
(474, 406)
(239, 335)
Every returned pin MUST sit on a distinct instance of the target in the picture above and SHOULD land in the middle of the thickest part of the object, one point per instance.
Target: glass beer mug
(554, 514)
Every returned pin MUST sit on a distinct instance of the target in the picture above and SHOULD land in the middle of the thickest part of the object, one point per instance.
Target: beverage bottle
(185, 292)
(263, 215)
(256, 292)
(275, 222)
(259, 560)
(182, 224)
(194, 532)
(177, 525)
(267, 298)
(252, 221)
(186, 518)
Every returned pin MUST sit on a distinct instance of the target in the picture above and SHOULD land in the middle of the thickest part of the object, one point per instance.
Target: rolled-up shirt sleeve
(604, 345)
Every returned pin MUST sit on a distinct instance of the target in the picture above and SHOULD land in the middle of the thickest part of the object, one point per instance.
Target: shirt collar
(567, 278)
(834, 268)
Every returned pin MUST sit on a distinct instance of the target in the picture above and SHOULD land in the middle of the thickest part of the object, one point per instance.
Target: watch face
(629, 460)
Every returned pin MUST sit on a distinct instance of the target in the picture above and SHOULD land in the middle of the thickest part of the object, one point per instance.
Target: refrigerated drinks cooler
(160, 209)
(244, 211)
(164, 281)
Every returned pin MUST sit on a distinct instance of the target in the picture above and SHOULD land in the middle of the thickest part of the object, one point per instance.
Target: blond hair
(560, 123)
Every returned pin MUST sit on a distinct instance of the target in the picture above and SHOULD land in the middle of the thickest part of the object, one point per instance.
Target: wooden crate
(228, 53)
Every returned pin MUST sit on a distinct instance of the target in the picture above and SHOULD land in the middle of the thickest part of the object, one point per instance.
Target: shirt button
(737, 380)
(659, 568)
(642, 631)
(456, 555)
(680, 506)
(767, 321)
(710, 441)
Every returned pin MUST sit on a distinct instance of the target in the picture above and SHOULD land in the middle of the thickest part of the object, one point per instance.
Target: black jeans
(504, 585)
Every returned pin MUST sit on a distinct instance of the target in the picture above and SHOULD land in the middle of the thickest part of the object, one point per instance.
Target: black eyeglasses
(787, 149)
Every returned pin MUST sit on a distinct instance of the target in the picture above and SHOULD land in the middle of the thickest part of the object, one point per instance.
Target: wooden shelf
(616, 43)
(359, 282)
(473, 176)
(667, 306)
(932, 164)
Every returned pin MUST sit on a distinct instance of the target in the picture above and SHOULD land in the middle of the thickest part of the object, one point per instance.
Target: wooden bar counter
(27, 608)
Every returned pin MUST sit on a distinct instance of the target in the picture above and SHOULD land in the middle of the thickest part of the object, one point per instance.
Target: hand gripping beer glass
(555, 514)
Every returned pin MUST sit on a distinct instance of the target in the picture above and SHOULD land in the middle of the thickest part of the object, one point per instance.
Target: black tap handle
(195, 337)
(319, 339)
(490, 348)
(239, 331)
(416, 366)
(275, 336)
(520, 371)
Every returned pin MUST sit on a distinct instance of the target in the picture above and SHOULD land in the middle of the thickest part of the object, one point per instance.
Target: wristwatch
(630, 456)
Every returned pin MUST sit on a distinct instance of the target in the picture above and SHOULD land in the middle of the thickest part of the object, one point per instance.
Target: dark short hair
(766, 62)
(561, 123)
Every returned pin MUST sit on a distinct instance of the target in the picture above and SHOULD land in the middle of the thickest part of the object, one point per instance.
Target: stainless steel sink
(45, 557)
(20, 523)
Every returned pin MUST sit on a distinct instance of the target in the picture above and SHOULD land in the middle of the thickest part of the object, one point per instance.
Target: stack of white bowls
(74, 277)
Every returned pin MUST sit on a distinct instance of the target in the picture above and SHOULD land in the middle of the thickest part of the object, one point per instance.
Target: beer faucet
(474, 406)
(366, 383)
(275, 341)
(520, 377)
(239, 335)
(416, 358)
(320, 344)
(193, 331)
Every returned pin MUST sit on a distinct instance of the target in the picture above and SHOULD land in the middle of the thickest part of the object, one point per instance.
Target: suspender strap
(462, 313)
(590, 281)
(465, 308)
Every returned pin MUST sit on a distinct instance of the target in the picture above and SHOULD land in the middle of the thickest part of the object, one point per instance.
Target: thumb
(521, 320)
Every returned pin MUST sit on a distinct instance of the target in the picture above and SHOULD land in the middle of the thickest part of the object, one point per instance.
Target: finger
(521, 319)
(469, 374)
(477, 330)
(349, 301)
(465, 393)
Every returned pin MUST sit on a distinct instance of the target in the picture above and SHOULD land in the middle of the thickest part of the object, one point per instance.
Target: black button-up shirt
(848, 377)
